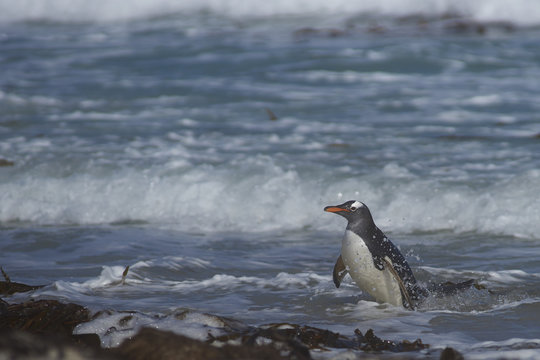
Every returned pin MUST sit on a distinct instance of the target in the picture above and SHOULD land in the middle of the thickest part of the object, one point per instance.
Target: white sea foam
(514, 342)
(280, 281)
(349, 76)
(515, 348)
(520, 11)
(175, 263)
(500, 277)
(114, 328)
(485, 100)
(517, 354)
(259, 195)
(110, 280)
(14, 99)
(111, 275)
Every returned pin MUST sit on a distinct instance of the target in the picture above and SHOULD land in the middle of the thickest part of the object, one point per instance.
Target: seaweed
(124, 275)
(297, 336)
(9, 287)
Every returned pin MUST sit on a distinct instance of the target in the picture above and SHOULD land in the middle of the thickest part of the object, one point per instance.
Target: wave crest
(520, 12)
(258, 195)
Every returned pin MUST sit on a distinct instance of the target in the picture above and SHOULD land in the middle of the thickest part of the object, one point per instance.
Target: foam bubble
(14, 99)
(485, 100)
(349, 76)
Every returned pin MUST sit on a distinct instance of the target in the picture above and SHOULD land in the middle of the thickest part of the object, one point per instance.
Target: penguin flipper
(409, 304)
(339, 271)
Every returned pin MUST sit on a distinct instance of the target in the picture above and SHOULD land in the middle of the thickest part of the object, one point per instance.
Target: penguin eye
(355, 206)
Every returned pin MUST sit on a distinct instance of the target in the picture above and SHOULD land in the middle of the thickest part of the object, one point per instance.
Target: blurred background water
(141, 134)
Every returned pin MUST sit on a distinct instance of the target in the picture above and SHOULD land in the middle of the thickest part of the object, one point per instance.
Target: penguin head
(354, 211)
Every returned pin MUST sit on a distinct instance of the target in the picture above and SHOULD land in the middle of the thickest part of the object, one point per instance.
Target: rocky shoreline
(44, 329)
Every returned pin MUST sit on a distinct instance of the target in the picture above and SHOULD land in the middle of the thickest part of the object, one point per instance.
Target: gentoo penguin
(373, 261)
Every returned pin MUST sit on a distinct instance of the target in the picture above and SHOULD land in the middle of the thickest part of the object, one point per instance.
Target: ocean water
(141, 136)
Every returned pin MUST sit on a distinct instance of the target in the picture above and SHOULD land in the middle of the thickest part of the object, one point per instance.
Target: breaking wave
(520, 12)
(260, 195)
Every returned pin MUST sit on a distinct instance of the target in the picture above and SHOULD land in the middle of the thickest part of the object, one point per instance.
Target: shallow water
(143, 140)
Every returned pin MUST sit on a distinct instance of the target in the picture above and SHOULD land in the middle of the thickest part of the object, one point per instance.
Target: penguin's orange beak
(334, 209)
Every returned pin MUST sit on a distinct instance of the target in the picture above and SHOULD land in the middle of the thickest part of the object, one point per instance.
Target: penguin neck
(363, 229)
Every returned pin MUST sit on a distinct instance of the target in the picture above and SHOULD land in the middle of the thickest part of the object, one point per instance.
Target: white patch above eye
(355, 205)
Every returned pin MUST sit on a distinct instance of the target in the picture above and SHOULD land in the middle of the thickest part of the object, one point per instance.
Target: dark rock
(3, 307)
(8, 288)
(451, 354)
(25, 345)
(90, 340)
(461, 26)
(4, 162)
(44, 329)
(156, 344)
(309, 32)
(44, 317)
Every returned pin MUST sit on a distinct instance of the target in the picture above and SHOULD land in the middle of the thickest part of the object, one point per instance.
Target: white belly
(358, 260)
